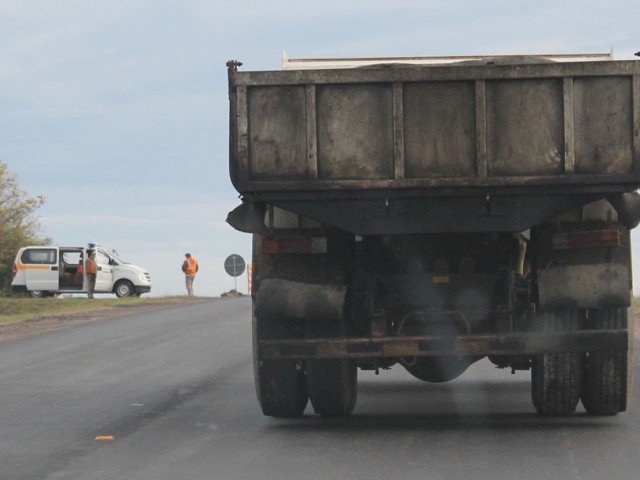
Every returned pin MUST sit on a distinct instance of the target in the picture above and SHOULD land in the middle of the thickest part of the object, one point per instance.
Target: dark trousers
(91, 284)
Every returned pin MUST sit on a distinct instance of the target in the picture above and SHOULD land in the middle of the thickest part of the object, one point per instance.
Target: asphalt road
(174, 388)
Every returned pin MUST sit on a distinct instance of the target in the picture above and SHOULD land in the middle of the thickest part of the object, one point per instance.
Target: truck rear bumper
(467, 345)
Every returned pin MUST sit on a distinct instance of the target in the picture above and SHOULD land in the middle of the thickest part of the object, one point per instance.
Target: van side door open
(71, 265)
(104, 275)
(41, 268)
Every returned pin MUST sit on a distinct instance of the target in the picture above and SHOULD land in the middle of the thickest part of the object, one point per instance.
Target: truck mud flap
(284, 299)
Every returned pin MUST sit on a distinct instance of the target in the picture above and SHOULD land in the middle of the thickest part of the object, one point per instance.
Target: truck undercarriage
(434, 304)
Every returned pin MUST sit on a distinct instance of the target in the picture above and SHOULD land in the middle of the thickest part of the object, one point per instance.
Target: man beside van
(190, 268)
(91, 269)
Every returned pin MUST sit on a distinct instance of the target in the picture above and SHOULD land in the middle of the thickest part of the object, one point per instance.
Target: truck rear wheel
(556, 377)
(332, 386)
(605, 377)
(332, 383)
(280, 384)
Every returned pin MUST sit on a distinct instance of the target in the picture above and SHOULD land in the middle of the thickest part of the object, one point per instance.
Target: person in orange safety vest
(190, 268)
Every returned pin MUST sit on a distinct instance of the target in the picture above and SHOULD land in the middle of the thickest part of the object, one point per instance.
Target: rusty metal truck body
(431, 216)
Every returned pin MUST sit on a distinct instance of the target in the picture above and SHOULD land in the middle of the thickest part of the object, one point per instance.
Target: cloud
(113, 221)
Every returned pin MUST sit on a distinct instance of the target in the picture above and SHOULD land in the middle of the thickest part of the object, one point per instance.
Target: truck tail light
(299, 245)
(587, 239)
(15, 270)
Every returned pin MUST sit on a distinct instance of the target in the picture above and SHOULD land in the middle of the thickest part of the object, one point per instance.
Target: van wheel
(124, 288)
(38, 293)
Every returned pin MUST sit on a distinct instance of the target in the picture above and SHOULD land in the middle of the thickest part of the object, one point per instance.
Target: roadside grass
(18, 309)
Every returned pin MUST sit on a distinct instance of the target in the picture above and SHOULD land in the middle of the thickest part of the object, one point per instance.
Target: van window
(71, 258)
(101, 258)
(39, 256)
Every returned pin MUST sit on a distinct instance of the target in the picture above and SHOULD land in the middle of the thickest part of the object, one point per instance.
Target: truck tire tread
(556, 377)
(605, 378)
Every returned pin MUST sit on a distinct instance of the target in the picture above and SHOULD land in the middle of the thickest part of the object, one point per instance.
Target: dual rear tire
(560, 380)
(284, 387)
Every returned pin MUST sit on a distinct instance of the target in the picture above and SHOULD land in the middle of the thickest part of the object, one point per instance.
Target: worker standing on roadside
(91, 268)
(190, 268)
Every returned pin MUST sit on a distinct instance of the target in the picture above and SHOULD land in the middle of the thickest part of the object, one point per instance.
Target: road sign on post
(234, 265)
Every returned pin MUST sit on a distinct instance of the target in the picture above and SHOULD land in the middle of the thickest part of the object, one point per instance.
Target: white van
(42, 271)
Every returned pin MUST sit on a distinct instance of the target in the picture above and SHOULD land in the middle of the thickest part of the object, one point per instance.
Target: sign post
(234, 265)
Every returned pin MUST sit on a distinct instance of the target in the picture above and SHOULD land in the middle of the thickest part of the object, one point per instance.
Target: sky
(117, 112)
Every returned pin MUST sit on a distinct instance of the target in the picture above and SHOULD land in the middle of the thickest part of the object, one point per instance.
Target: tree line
(18, 224)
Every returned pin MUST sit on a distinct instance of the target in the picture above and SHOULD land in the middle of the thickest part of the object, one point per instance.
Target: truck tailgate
(437, 128)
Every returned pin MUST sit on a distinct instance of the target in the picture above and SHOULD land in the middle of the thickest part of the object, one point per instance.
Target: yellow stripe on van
(34, 267)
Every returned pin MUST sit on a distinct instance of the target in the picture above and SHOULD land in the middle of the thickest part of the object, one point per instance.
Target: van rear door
(41, 267)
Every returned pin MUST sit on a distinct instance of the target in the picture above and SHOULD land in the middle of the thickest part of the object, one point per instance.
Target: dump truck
(428, 215)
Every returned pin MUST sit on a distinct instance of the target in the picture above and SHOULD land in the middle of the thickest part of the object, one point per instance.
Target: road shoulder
(48, 323)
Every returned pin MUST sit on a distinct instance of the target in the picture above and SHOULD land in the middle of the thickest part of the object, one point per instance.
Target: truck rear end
(432, 216)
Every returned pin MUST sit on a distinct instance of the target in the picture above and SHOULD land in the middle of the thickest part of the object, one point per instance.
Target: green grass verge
(19, 309)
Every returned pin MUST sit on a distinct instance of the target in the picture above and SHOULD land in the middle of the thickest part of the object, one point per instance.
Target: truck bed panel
(410, 127)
